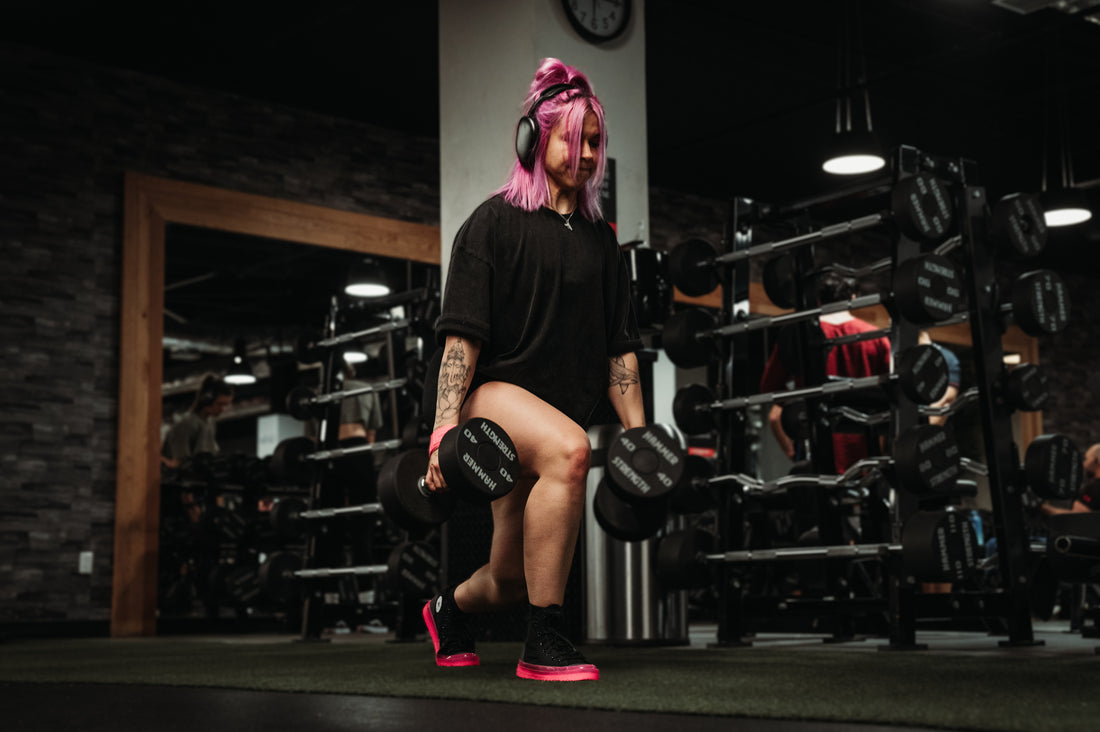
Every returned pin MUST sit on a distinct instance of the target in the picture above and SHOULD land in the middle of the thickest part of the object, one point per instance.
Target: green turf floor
(1019, 691)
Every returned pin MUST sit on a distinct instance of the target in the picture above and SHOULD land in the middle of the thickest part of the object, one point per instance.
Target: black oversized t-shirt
(549, 305)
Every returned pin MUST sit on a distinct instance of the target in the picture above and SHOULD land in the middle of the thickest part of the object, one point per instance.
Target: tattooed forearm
(454, 374)
(621, 376)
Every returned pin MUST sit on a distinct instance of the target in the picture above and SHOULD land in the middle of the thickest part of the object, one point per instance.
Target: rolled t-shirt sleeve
(467, 298)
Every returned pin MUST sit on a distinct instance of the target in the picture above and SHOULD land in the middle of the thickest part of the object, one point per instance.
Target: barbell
(312, 351)
(921, 207)
(921, 373)
(413, 566)
(927, 290)
(1017, 226)
(936, 546)
(293, 459)
(303, 403)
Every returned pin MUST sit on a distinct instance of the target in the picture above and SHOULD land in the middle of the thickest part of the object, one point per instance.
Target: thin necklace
(566, 218)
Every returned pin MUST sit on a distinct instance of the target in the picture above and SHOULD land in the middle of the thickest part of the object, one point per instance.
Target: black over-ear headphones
(527, 131)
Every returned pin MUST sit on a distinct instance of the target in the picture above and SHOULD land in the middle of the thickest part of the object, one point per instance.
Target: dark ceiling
(741, 95)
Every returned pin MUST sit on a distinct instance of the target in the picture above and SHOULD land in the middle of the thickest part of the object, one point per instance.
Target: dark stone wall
(70, 131)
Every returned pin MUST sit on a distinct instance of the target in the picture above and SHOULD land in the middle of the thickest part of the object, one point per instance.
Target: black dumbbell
(478, 460)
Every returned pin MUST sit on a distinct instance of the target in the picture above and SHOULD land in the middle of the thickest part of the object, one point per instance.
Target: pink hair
(529, 189)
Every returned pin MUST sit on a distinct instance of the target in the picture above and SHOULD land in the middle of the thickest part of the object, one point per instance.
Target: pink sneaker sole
(458, 659)
(579, 672)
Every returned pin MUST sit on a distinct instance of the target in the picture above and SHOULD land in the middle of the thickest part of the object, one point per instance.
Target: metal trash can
(624, 604)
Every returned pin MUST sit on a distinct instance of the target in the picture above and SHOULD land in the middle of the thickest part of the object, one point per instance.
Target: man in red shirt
(865, 358)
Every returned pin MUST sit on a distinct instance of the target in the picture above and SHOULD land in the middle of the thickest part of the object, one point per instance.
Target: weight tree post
(733, 368)
(904, 334)
(321, 548)
(1002, 457)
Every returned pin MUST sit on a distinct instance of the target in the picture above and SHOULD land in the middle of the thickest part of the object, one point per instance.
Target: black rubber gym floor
(111, 708)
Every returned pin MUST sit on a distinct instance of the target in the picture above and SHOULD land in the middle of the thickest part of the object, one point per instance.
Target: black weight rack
(900, 606)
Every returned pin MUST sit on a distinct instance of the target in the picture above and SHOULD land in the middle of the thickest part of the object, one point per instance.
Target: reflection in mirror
(231, 295)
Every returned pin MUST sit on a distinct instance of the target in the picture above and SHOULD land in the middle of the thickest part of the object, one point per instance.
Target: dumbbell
(303, 403)
(312, 351)
(921, 207)
(478, 460)
(413, 566)
(920, 373)
(936, 546)
(644, 467)
(927, 290)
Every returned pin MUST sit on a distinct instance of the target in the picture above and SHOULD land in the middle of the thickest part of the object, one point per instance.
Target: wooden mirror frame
(150, 204)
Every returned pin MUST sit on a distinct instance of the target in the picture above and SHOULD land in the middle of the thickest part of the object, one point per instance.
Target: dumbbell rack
(323, 548)
(986, 322)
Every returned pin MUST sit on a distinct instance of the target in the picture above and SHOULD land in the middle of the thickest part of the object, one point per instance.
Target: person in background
(863, 358)
(1089, 500)
(954, 376)
(196, 433)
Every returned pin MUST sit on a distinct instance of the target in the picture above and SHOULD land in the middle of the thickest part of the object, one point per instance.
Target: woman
(537, 329)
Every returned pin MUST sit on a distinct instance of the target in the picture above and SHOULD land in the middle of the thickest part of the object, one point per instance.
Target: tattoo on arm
(453, 374)
(621, 376)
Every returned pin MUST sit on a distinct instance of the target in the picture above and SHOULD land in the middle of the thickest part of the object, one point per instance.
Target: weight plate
(1040, 303)
(922, 374)
(1053, 467)
(691, 269)
(1018, 225)
(928, 289)
(479, 460)
(679, 337)
(926, 460)
(284, 517)
(780, 281)
(645, 463)
(299, 402)
(627, 521)
(288, 464)
(923, 208)
(276, 576)
(414, 567)
(684, 409)
(1026, 388)
(402, 501)
(939, 546)
(680, 563)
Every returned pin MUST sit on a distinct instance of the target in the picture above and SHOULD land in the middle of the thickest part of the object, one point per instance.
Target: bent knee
(571, 458)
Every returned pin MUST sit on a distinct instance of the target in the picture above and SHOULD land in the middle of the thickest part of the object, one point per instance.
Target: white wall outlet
(84, 564)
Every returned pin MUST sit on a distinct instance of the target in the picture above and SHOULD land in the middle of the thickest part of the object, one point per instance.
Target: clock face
(598, 20)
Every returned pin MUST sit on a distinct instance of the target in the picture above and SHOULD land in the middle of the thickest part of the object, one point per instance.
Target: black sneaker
(548, 655)
(454, 644)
